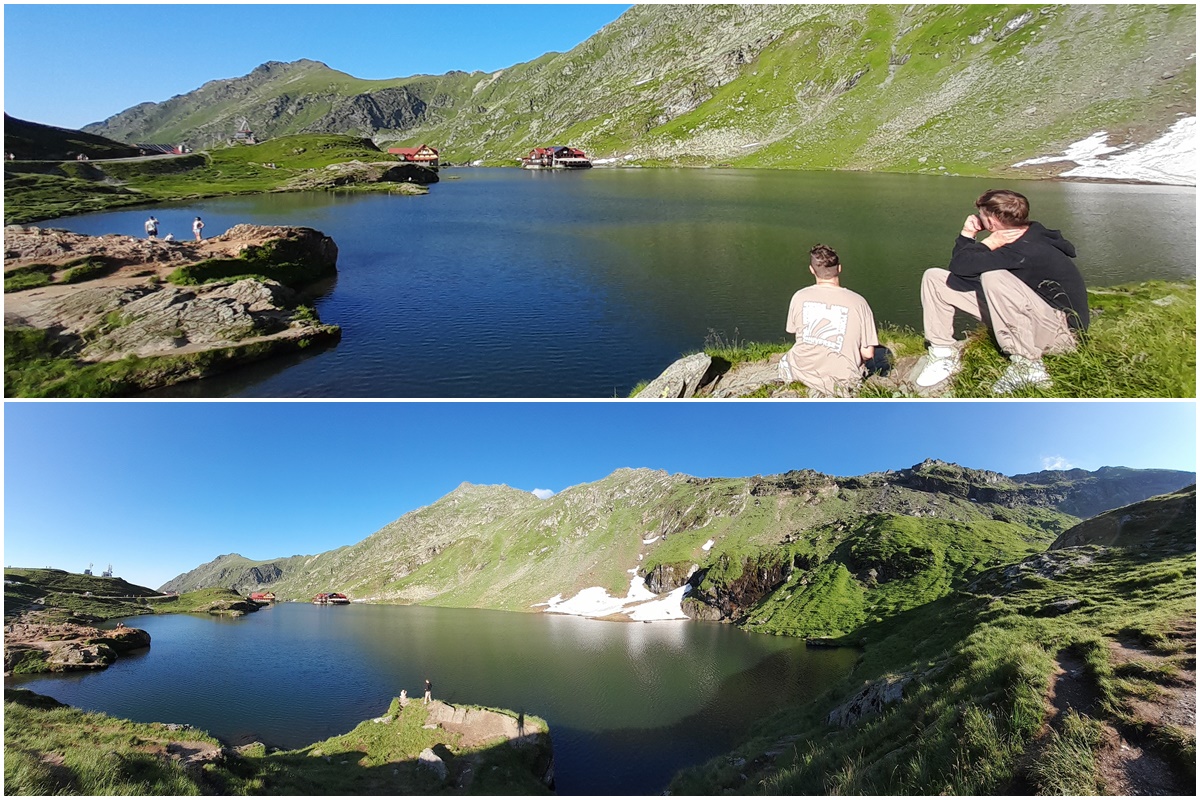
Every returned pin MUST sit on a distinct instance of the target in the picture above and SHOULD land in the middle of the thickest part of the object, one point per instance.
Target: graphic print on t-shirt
(824, 325)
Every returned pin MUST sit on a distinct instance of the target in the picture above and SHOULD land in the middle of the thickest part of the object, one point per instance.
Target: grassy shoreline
(57, 749)
(1141, 343)
(44, 191)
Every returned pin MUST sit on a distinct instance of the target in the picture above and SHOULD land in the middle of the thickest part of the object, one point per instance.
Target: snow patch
(708, 545)
(666, 608)
(639, 603)
(1170, 159)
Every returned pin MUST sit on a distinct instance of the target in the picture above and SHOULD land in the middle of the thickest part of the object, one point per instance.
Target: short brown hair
(1005, 205)
(824, 261)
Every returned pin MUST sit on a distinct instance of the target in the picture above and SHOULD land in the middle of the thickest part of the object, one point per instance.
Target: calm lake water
(510, 283)
(628, 704)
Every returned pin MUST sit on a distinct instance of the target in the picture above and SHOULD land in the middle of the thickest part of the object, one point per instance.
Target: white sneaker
(940, 364)
(1023, 374)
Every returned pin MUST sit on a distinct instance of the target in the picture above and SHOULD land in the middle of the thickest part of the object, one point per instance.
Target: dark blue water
(628, 704)
(511, 283)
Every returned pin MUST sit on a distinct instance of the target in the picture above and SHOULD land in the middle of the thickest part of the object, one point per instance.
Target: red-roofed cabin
(557, 157)
(418, 155)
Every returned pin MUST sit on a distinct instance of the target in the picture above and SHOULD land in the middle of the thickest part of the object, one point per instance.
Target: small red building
(557, 157)
(418, 155)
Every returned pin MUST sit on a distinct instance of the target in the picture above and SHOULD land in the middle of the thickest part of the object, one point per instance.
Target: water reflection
(628, 703)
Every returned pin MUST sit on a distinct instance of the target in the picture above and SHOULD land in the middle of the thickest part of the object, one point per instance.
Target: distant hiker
(521, 724)
(151, 228)
(403, 697)
(198, 226)
(428, 690)
(1021, 279)
(836, 340)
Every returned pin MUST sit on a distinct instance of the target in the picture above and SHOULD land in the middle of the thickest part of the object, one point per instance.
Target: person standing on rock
(836, 340)
(1022, 278)
(428, 690)
(198, 226)
(151, 228)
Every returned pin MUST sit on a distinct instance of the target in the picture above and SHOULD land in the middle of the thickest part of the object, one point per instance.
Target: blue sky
(159, 488)
(135, 53)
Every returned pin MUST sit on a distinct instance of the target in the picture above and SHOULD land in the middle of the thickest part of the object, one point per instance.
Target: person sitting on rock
(1022, 277)
(836, 341)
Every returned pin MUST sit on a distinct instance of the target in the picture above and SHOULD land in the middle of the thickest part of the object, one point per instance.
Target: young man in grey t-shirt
(834, 329)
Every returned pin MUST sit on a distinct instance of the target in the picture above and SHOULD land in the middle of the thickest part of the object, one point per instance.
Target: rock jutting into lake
(31, 646)
(159, 312)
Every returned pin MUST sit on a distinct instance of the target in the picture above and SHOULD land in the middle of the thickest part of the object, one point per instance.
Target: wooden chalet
(262, 598)
(417, 155)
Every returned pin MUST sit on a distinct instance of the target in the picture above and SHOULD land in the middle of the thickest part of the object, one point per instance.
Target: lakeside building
(557, 157)
(418, 155)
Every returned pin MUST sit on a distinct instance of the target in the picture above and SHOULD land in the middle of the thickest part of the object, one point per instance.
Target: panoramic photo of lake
(510, 283)
(628, 704)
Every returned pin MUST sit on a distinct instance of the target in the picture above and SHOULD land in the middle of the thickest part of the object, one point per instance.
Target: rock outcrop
(358, 173)
(681, 379)
(152, 298)
(43, 647)
(733, 598)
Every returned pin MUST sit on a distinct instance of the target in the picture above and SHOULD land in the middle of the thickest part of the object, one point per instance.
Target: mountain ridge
(902, 88)
(499, 547)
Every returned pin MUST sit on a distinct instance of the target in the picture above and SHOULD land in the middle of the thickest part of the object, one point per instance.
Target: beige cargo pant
(1024, 323)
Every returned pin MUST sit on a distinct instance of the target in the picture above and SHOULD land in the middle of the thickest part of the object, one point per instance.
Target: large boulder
(430, 761)
(870, 700)
(681, 379)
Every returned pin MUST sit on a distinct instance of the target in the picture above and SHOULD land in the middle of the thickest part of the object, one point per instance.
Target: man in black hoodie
(1021, 278)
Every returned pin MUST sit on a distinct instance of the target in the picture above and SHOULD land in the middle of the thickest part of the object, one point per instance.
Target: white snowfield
(641, 604)
(1170, 159)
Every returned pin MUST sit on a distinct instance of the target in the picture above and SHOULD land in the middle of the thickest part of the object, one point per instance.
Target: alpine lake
(629, 704)
(512, 283)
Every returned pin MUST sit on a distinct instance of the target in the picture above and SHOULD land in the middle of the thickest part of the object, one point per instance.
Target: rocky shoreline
(189, 309)
(33, 646)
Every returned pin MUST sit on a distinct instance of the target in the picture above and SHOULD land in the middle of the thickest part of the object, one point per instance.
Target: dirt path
(1130, 759)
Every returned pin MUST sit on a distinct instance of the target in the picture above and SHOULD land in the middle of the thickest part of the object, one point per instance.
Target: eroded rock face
(669, 577)
(733, 600)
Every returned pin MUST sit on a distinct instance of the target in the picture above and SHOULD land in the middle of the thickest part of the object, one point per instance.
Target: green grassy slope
(32, 141)
(70, 188)
(974, 668)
